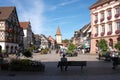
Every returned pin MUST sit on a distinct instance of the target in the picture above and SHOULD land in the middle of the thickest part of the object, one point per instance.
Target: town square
(60, 40)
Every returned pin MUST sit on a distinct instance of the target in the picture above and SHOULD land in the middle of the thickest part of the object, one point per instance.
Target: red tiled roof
(24, 25)
(5, 12)
(99, 2)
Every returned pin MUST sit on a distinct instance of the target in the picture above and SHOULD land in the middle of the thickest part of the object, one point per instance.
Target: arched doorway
(7, 47)
(97, 43)
(111, 43)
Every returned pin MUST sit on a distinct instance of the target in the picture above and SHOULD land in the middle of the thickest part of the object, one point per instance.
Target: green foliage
(44, 51)
(27, 53)
(71, 47)
(26, 65)
(31, 48)
(117, 45)
(103, 45)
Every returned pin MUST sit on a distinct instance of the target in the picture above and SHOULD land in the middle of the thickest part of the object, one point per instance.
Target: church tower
(58, 36)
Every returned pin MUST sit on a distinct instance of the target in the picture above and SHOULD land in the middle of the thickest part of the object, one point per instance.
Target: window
(118, 25)
(109, 13)
(103, 28)
(97, 29)
(117, 10)
(110, 27)
(102, 15)
(96, 17)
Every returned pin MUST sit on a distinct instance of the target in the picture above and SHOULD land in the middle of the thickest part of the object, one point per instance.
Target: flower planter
(96, 34)
(102, 19)
(102, 33)
(109, 33)
(109, 17)
(117, 31)
(117, 15)
(96, 21)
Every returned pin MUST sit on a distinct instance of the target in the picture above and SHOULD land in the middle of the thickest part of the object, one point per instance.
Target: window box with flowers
(109, 17)
(96, 34)
(10, 30)
(109, 32)
(117, 15)
(102, 19)
(96, 21)
(102, 33)
(117, 31)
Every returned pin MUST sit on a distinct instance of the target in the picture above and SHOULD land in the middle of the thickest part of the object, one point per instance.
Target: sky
(46, 15)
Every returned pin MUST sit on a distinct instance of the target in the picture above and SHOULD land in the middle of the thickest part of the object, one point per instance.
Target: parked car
(36, 51)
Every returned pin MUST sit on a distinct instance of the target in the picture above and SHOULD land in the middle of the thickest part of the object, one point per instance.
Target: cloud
(31, 11)
(68, 2)
(65, 3)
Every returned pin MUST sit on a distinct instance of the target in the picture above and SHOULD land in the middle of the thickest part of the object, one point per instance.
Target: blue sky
(46, 15)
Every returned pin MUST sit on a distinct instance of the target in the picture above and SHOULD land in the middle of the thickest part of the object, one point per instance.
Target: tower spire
(58, 31)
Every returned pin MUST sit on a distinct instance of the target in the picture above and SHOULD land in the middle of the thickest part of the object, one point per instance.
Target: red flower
(102, 33)
(96, 21)
(10, 30)
(117, 31)
(102, 19)
(109, 17)
(117, 15)
(109, 32)
(96, 34)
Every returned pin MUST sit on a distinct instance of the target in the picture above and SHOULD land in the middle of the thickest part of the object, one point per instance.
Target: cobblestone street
(95, 69)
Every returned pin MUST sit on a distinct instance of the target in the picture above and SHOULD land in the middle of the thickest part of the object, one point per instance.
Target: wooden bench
(73, 63)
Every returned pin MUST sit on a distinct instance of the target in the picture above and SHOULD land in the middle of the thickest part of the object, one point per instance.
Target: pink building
(105, 22)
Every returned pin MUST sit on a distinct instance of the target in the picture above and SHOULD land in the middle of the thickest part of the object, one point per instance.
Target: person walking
(115, 58)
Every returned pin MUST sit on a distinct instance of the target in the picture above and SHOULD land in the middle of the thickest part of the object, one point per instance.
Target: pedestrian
(115, 58)
(64, 60)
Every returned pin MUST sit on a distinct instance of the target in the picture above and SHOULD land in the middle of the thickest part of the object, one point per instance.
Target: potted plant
(103, 46)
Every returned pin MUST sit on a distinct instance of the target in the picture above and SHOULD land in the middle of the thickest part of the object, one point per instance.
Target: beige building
(105, 22)
(11, 35)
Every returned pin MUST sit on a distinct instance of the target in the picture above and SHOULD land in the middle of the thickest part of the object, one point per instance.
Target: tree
(71, 47)
(117, 45)
(103, 45)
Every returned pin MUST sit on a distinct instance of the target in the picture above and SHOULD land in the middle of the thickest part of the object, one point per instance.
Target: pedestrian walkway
(95, 70)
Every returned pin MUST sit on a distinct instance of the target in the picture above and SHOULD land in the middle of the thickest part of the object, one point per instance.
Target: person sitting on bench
(64, 59)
